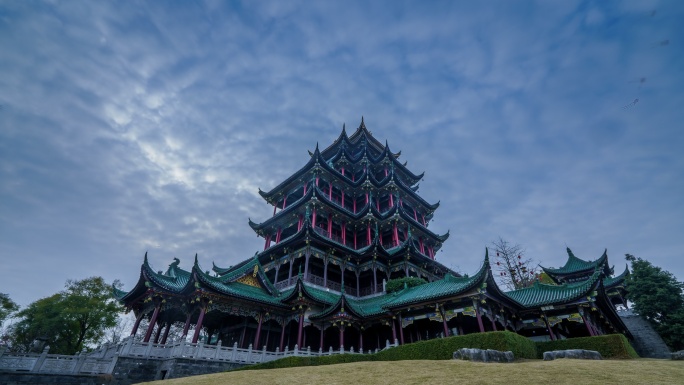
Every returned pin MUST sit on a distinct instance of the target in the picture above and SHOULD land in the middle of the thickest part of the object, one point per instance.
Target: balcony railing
(334, 286)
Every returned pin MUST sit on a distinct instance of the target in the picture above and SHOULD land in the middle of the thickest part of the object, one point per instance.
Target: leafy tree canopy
(397, 284)
(70, 320)
(657, 296)
(7, 307)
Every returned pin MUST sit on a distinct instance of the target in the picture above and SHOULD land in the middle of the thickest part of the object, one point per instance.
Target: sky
(148, 126)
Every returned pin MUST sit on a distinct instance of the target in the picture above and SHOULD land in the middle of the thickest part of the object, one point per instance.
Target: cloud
(144, 127)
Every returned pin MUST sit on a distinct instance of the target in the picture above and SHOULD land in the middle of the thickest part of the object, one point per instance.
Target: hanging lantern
(498, 263)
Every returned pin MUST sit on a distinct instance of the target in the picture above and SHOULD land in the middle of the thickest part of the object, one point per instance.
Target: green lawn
(527, 372)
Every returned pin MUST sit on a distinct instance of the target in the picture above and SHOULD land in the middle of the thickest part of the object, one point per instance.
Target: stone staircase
(647, 342)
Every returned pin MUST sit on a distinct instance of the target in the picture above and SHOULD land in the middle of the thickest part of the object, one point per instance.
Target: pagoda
(343, 225)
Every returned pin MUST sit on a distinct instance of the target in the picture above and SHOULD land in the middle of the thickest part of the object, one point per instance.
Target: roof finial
(363, 125)
(145, 256)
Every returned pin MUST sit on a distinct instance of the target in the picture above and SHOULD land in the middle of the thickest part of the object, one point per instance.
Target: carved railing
(89, 363)
(319, 281)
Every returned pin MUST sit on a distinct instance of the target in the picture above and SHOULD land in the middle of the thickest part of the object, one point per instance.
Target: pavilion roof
(540, 294)
(619, 280)
(575, 265)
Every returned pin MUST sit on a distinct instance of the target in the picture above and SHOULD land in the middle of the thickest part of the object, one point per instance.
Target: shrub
(610, 346)
(397, 284)
(436, 349)
(444, 348)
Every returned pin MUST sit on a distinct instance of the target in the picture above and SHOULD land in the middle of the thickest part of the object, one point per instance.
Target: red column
(366, 197)
(313, 218)
(284, 202)
(342, 337)
(301, 222)
(422, 246)
(368, 233)
(158, 333)
(423, 216)
(198, 327)
(344, 233)
(330, 226)
(401, 331)
(589, 328)
(306, 265)
(322, 333)
(137, 323)
(330, 190)
(274, 208)
(396, 234)
(493, 320)
(282, 337)
(548, 327)
(186, 327)
(479, 317)
(355, 238)
(342, 200)
(354, 205)
(301, 328)
(391, 200)
(342, 171)
(166, 332)
(444, 323)
(153, 321)
(360, 340)
(394, 331)
(258, 332)
(325, 273)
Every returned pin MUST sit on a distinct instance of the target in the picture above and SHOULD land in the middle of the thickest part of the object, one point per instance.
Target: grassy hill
(638, 371)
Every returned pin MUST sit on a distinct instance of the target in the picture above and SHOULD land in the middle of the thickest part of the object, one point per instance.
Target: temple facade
(344, 225)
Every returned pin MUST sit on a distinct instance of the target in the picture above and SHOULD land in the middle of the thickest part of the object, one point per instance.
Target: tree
(515, 270)
(7, 307)
(658, 297)
(70, 320)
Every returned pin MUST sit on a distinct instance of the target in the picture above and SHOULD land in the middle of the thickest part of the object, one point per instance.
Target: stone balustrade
(103, 359)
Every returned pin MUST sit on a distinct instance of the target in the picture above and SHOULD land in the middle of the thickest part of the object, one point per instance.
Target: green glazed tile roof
(617, 280)
(448, 286)
(574, 264)
(541, 294)
(320, 295)
(174, 280)
(368, 307)
(237, 289)
(242, 268)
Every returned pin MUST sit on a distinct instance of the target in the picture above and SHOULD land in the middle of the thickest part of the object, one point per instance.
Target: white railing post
(148, 350)
(79, 363)
(218, 350)
(330, 351)
(296, 350)
(198, 350)
(263, 354)
(233, 356)
(41, 359)
(249, 354)
(112, 364)
(127, 346)
(341, 349)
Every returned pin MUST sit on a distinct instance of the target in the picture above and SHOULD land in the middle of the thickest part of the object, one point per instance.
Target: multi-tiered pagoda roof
(342, 226)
